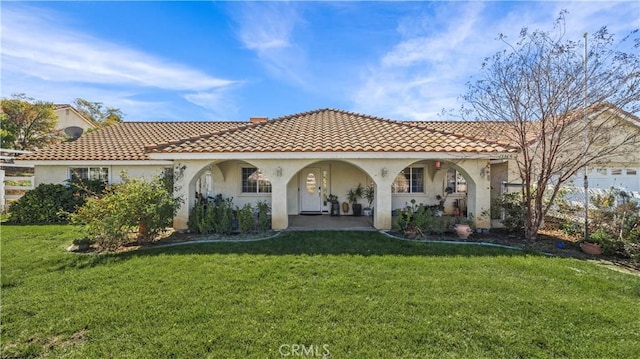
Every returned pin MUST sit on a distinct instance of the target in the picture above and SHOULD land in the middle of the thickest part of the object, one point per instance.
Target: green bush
(514, 210)
(200, 218)
(246, 221)
(132, 206)
(615, 224)
(47, 203)
(264, 222)
(212, 217)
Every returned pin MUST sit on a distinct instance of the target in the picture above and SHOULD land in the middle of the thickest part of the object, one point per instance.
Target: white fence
(17, 184)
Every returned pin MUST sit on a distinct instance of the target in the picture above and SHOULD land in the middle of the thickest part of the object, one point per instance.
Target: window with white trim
(631, 172)
(456, 182)
(409, 180)
(89, 174)
(616, 171)
(254, 181)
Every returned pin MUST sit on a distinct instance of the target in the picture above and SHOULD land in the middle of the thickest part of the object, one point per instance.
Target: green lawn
(355, 295)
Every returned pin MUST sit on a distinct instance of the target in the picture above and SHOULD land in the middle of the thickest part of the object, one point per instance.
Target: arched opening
(436, 183)
(317, 185)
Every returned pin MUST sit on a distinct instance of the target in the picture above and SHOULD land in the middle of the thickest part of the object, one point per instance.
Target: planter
(367, 212)
(410, 233)
(591, 248)
(335, 208)
(357, 209)
(463, 231)
(345, 207)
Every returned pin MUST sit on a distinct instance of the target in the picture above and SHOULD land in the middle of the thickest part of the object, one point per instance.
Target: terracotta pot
(591, 248)
(410, 233)
(463, 230)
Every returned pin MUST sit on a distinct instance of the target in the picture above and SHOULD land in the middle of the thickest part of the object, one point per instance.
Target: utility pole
(586, 146)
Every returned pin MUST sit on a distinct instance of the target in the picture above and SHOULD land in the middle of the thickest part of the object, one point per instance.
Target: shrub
(264, 222)
(513, 208)
(200, 218)
(615, 224)
(246, 221)
(223, 216)
(212, 217)
(47, 203)
(134, 205)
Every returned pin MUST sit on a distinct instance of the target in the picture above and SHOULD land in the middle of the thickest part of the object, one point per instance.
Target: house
(292, 162)
(71, 122)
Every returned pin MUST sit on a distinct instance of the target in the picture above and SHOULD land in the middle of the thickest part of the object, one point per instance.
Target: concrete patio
(326, 222)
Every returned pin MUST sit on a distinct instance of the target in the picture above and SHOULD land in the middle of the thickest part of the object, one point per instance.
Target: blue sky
(204, 60)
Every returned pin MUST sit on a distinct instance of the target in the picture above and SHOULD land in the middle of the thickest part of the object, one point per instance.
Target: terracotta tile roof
(124, 141)
(329, 130)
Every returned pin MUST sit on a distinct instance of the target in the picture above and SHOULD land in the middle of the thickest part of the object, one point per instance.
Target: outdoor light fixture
(438, 165)
(485, 170)
(384, 171)
(279, 171)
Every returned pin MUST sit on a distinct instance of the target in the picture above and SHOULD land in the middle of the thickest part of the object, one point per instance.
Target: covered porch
(325, 222)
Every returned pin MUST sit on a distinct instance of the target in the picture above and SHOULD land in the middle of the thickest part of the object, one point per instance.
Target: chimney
(258, 119)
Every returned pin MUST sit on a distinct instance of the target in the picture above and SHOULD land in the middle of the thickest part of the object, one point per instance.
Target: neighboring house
(292, 162)
(71, 122)
(621, 171)
(609, 124)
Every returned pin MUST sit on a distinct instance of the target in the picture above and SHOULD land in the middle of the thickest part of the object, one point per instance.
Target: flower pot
(357, 209)
(591, 248)
(410, 233)
(463, 231)
(335, 208)
(367, 212)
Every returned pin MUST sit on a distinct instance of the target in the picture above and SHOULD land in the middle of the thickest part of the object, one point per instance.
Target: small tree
(535, 89)
(134, 205)
(28, 124)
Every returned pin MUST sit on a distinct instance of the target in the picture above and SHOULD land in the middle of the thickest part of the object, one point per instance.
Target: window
(409, 180)
(616, 172)
(89, 173)
(254, 181)
(456, 182)
(601, 171)
(631, 172)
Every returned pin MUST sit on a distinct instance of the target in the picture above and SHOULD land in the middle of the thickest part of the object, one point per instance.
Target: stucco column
(181, 218)
(184, 184)
(479, 193)
(382, 210)
(279, 216)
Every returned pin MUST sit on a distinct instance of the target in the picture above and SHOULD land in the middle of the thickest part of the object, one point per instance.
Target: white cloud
(38, 52)
(428, 68)
(268, 28)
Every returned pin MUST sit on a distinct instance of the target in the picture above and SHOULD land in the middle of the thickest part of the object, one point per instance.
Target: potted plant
(464, 227)
(594, 245)
(352, 196)
(369, 195)
(335, 204)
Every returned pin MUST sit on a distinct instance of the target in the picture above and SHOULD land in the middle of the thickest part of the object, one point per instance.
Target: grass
(353, 294)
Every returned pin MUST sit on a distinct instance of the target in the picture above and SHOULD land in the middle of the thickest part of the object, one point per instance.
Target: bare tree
(535, 90)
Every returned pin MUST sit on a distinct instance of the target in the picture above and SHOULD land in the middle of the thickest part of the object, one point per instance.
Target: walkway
(326, 222)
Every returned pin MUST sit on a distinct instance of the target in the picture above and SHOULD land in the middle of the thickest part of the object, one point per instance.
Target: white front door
(310, 190)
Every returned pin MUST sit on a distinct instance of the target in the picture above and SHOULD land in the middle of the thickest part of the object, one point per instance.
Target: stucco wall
(68, 118)
(60, 174)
